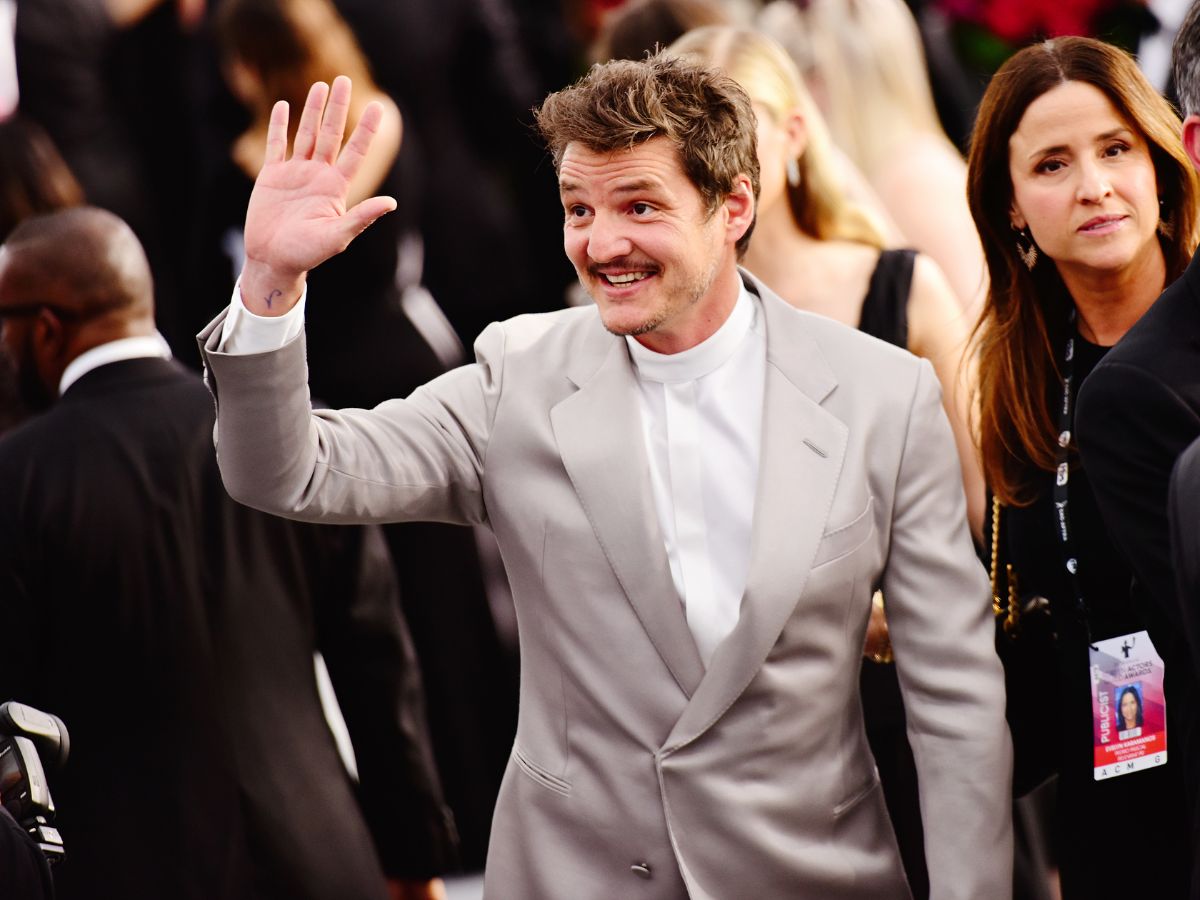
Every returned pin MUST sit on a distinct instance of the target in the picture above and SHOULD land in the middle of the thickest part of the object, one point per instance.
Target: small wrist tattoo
(270, 298)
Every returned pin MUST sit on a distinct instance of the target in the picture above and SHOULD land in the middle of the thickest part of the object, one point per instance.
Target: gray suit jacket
(636, 773)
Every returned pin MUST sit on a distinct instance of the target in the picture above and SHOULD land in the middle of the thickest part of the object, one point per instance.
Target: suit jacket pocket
(845, 539)
(856, 797)
(540, 775)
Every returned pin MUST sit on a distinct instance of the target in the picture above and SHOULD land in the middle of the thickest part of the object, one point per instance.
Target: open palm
(297, 216)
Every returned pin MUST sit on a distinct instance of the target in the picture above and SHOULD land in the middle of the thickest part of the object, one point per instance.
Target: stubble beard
(686, 297)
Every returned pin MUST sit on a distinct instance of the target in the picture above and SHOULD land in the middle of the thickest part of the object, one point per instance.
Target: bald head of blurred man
(69, 281)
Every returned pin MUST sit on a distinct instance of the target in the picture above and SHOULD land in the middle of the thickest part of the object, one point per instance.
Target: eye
(1116, 149)
(576, 211)
(1049, 166)
(641, 209)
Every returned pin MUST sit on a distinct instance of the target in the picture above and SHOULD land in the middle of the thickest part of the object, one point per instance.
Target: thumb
(362, 215)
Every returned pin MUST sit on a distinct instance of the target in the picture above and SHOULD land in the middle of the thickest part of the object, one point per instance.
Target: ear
(1191, 139)
(1015, 218)
(796, 128)
(739, 209)
(48, 342)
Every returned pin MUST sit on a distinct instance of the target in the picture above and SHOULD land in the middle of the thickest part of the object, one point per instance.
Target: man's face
(642, 243)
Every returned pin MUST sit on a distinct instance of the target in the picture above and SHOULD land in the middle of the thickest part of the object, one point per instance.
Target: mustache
(624, 263)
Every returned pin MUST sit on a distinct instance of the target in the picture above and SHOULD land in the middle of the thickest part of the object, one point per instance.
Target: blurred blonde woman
(820, 251)
(862, 60)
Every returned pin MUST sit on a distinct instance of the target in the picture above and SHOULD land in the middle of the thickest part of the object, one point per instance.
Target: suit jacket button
(641, 870)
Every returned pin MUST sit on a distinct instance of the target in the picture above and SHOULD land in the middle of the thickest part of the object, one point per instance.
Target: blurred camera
(27, 736)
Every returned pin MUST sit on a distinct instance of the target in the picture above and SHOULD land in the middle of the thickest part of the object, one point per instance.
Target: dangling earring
(1165, 227)
(1026, 248)
(793, 172)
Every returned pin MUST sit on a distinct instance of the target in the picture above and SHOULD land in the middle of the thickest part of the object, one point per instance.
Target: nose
(607, 239)
(1093, 183)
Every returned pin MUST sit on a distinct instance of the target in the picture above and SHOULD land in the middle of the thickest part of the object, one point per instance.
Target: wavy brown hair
(623, 103)
(1024, 321)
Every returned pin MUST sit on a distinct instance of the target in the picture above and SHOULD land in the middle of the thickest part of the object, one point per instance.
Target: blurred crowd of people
(1000, 190)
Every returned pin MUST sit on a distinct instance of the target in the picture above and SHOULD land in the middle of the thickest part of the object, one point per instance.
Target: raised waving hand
(297, 216)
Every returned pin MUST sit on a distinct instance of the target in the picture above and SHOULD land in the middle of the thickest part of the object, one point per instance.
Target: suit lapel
(599, 434)
(803, 447)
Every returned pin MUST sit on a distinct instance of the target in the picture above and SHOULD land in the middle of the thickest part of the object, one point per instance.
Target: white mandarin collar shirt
(702, 424)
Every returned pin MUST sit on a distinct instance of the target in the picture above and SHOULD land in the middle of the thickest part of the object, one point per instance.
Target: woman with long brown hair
(1086, 206)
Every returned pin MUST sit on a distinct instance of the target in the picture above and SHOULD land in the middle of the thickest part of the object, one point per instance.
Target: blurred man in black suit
(174, 630)
(1140, 407)
(1138, 411)
(1184, 511)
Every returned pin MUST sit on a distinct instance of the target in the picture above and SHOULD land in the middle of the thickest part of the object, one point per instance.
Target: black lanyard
(1062, 474)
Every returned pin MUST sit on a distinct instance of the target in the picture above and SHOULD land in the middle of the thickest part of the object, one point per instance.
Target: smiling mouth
(623, 273)
(626, 278)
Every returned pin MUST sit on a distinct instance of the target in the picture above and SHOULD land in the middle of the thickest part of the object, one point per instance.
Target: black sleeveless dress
(885, 308)
(885, 316)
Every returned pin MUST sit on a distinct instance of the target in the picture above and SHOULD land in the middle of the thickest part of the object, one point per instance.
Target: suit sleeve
(420, 458)
(1131, 429)
(1183, 508)
(941, 624)
(373, 667)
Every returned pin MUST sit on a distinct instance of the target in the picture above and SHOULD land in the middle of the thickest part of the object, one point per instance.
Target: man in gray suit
(695, 488)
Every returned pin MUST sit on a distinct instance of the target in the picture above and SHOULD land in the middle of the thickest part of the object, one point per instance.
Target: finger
(333, 126)
(362, 215)
(277, 133)
(360, 140)
(306, 132)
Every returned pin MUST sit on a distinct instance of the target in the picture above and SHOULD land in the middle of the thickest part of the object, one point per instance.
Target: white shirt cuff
(245, 333)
